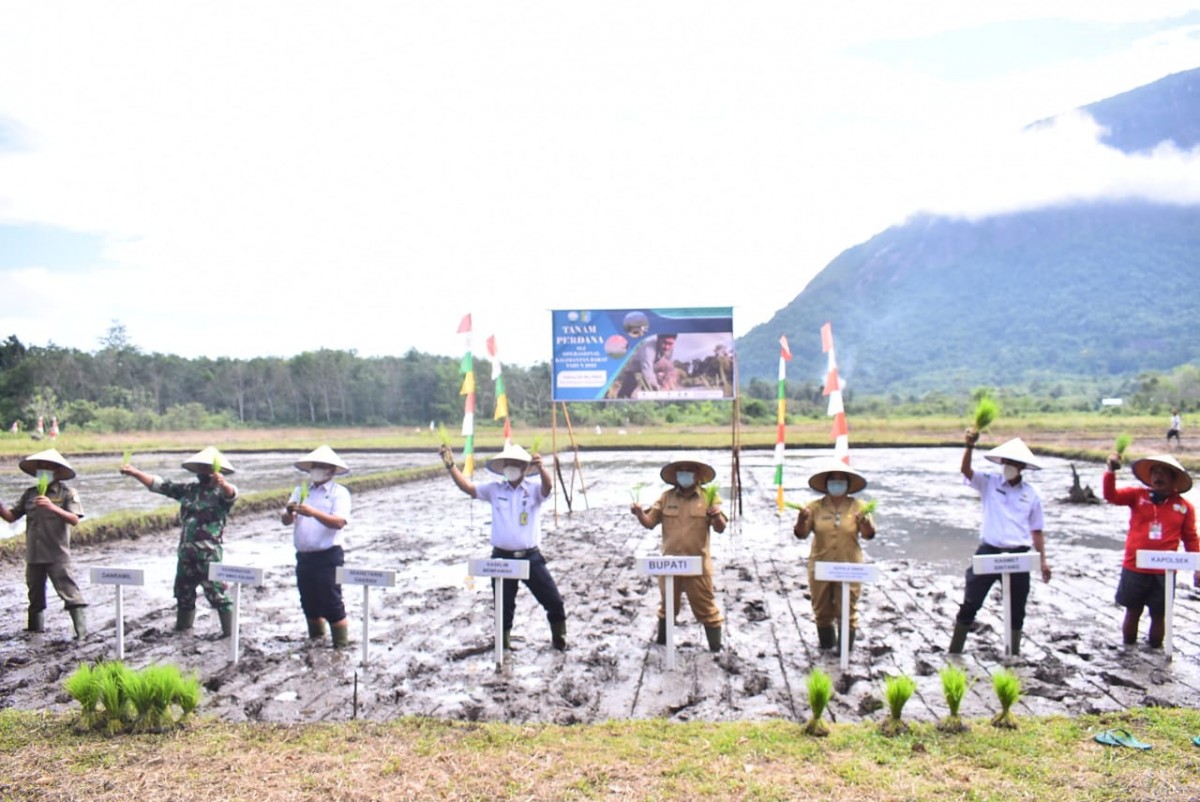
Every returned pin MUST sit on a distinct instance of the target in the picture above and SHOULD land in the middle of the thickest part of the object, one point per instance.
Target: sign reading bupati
(643, 354)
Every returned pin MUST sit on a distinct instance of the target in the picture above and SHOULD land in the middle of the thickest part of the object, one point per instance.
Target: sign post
(119, 577)
(668, 568)
(846, 574)
(367, 578)
(500, 571)
(1170, 562)
(237, 576)
(1006, 564)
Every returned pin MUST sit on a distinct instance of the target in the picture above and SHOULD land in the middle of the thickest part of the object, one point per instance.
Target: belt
(516, 555)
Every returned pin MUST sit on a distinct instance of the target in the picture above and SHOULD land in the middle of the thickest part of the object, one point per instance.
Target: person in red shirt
(1159, 519)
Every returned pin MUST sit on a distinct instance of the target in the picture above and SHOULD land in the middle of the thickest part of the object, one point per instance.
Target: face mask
(685, 479)
(837, 487)
(45, 476)
(1012, 472)
(320, 473)
(513, 473)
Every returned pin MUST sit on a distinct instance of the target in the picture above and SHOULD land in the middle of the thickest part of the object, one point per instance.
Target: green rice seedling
(303, 491)
(820, 691)
(536, 445)
(216, 464)
(869, 507)
(162, 683)
(443, 435)
(1008, 690)
(43, 483)
(636, 492)
(954, 688)
(139, 690)
(1124, 440)
(986, 412)
(792, 505)
(187, 694)
(712, 493)
(112, 695)
(896, 692)
(127, 457)
(84, 688)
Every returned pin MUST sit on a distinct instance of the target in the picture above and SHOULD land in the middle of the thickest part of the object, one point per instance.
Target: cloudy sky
(264, 178)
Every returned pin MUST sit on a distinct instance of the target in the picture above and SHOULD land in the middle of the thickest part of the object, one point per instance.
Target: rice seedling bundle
(303, 491)
(1123, 442)
(711, 493)
(986, 412)
(127, 457)
(869, 507)
(187, 694)
(43, 483)
(1008, 690)
(137, 701)
(536, 445)
(636, 492)
(954, 688)
(443, 435)
(83, 687)
(820, 691)
(216, 468)
(896, 692)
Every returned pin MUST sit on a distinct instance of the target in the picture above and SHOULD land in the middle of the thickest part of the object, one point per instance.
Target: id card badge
(1156, 531)
(525, 520)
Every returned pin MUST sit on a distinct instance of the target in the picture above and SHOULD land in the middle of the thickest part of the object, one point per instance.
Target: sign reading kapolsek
(643, 354)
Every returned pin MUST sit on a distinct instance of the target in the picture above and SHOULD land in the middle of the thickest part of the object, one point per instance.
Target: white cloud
(275, 177)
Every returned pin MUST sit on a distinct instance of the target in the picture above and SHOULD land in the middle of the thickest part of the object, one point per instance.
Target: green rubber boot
(506, 640)
(959, 638)
(660, 636)
(226, 618)
(316, 628)
(79, 620)
(37, 621)
(340, 634)
(558, 635)
(184, 619)
(714, 638)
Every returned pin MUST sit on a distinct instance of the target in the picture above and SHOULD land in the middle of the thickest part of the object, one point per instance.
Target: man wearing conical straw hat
(204, 507)
(318, 512)
(1160, 518)
(517, 531)
(50, 509)
(687, 516)
(1012, 524)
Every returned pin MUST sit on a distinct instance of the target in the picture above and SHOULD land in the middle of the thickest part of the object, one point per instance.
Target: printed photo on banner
(643, 354)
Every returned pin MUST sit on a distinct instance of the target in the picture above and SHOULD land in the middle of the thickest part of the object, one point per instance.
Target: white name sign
(241, 575)
(1168, 560)
(366, 576)
(670, 566)
(500, 569)
(117, 576)
(1022, 563)
(845, 572)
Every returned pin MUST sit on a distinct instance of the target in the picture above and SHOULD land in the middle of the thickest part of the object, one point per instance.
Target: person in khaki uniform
(49, 517)
(686, 519)
(835, 521)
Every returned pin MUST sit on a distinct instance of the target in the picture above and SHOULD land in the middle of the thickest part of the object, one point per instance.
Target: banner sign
(643, 354)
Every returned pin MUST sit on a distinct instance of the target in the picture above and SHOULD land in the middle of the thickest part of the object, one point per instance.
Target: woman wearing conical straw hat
(204, 507)
(1160, 518)
(318, 513)
(50, 509)
(1012, 524)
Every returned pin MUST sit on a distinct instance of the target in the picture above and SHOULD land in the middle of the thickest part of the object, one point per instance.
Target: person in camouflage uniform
(204, 506)
(49, 516)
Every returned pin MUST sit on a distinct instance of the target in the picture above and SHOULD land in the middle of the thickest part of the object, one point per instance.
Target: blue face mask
(685, 479)
(837, 487)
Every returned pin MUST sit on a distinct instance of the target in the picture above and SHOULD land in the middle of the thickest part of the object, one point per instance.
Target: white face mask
(513, 473)
(685, 479)
(46, 476)
(320, 473)
(837, 487)
(1011, 472)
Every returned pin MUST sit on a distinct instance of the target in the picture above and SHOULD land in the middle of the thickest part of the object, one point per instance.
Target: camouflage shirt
(203, 509)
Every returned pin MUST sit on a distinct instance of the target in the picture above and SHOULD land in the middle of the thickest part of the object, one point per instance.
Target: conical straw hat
(1015, 450)
(1141, 469)
(324, 455)
(49, 459)
(202, 461)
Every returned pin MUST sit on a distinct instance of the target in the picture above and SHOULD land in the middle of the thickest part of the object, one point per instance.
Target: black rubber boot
(507, 640)
(558, 635)
(226, 618)
(827, 637)
(714, 638)
(37, 622)
(850, 644)
(660, 636)
(184, 619)
(1016, 642)
(340, 634)
(959, 638)
(79, 620)
(316, 628)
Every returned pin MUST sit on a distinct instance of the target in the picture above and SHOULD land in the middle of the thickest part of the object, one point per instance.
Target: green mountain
(1104, 289)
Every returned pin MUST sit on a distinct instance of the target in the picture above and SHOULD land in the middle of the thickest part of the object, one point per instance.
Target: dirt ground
(430, 645)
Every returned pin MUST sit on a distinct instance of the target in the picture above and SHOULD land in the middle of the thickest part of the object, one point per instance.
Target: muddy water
(430, 637)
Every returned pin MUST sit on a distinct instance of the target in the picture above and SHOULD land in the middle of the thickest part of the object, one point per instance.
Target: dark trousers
(540, 584)
(978, 586)
(316, 578)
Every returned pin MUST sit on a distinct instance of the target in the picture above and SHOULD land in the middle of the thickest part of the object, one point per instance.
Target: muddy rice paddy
(430, 636)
